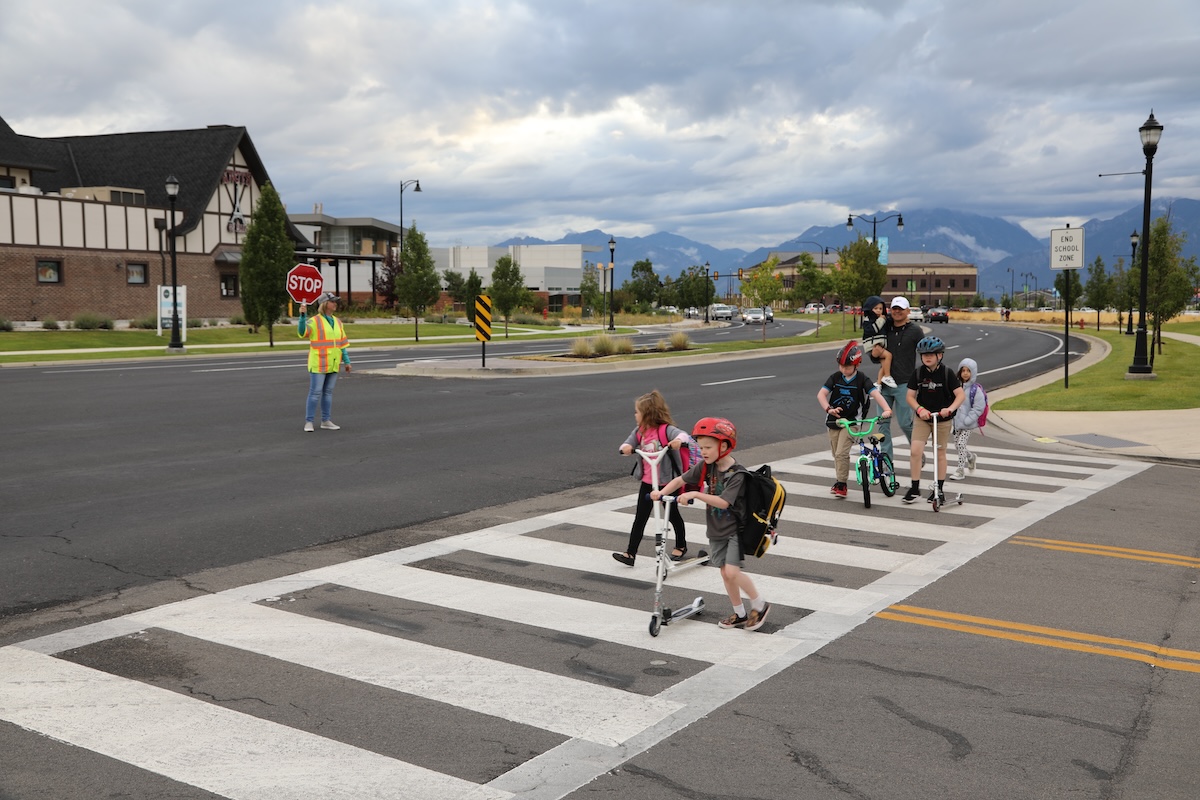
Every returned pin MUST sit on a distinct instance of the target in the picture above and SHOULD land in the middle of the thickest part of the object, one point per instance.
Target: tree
(417, 285)
(692, 289)
(267, 255)
(508, 289)
(384, 283)
(1122, 296)
(763, 286)
(811, 282)
(464, 290)
(1067, 284)
(1170, 279)
(590, 293)
(858, 271)
(1099, 287)
(643, 283)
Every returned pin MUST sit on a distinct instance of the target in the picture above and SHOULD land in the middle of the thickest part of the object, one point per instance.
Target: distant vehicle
(915, 314)
(814, 308)
(720, 311)
(1046, 308)
(754, 316)
(834, 308)
(692, 313)
(939, 314)
(769, 313)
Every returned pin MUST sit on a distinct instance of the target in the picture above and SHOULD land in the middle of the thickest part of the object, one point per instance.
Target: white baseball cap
(899, 302)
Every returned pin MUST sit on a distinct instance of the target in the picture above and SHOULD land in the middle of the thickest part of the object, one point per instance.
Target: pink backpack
(682, 459)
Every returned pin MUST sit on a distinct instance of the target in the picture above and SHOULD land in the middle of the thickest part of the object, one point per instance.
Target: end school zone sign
(1066, 248)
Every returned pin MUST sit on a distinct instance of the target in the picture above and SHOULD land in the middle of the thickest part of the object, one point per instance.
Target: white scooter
(933, 497)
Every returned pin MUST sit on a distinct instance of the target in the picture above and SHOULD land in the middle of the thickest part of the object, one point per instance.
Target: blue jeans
(320, 387)
(901, 412)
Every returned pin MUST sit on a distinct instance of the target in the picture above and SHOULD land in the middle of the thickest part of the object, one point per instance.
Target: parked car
(814, 308)
(939, 314)
(754, 316)
(915, 314)
(769, 313)
(720, 311)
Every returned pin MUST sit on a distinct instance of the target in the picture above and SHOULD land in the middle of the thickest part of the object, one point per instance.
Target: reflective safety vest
(325, 342)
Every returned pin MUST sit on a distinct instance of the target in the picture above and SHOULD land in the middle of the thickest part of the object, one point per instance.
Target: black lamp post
(1133, 241)
(1012, 286)
(1151, 132)
(176, 345)
(416, 184)
(707, 293)
(612, 275)
(875, 221)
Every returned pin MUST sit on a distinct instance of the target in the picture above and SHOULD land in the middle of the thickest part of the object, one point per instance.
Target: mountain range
(994, 245)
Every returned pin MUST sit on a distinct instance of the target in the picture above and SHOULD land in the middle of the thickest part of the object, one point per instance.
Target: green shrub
(145, 323)
(193, 323)
(237, 319)
(604, 345)
(581, 348)
(5, 324)
(680, 341)
(50, 324)
(87, 321)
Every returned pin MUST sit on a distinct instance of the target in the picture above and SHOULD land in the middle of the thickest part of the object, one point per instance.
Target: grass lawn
(1103, 387)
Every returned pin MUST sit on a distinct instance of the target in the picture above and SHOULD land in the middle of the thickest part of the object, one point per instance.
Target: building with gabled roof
(84, 221)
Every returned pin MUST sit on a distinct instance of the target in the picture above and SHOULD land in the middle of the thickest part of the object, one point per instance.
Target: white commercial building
(555, 270)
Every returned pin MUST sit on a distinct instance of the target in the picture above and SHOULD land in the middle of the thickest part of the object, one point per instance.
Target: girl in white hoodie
(966, 419)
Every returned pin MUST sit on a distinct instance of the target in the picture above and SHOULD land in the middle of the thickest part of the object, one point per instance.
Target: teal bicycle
(872, 465)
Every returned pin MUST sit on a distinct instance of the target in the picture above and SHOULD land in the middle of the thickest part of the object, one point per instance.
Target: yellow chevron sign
(483, 318)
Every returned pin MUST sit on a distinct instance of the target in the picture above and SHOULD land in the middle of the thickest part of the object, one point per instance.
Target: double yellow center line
(1085, 548)
(1155, 655)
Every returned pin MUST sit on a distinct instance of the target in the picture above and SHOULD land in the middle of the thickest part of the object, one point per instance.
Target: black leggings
(645, 506)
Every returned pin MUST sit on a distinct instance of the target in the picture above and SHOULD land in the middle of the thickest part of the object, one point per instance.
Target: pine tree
(267, 255)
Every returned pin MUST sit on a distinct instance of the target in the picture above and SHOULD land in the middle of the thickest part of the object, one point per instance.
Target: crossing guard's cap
(327, 297)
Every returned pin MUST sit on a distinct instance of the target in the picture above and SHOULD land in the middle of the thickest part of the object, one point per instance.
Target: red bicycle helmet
(851, 354)
(717, 428)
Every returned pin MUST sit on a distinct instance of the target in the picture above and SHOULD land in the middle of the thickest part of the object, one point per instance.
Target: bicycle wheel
(887, 475)
(864, 477)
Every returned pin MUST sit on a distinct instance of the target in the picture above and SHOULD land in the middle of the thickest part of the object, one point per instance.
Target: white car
(721, 312)
(814, 308)
(915, 314)
(754, 316)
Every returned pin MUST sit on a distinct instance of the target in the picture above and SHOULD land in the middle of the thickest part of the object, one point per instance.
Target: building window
(135, 273)
(895, 283)
(937, 283)
(229, 285)
(922, 283)
(966, 283)
(126, 198)
(952, 283)
(49, 272)
(8, 182)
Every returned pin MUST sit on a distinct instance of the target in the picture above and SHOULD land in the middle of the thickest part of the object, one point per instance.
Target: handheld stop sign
(304, 283)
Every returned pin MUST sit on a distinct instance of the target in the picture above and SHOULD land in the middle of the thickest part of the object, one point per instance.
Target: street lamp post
(176, 345)
(612, 255)
(707, 293)
(1133, 241)
(1012, 287)
(875, 221)
(416, 184)
(1151, 132)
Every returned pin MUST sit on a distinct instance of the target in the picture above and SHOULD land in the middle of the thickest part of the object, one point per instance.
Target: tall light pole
(1151, 132)
(1133, 240)
(1012, 286)
(612, 275)
(875, 221)
(416, 184)
(176, 345)
(707, 293)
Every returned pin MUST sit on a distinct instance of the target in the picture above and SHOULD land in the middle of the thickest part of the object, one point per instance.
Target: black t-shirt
(852, 395)
(935, 387)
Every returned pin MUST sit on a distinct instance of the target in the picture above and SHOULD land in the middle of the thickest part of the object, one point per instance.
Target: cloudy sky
(738, 123)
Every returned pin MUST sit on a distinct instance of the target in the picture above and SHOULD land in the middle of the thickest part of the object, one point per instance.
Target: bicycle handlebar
(870, 422)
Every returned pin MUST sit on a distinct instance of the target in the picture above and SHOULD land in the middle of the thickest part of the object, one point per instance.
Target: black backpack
(763, 499)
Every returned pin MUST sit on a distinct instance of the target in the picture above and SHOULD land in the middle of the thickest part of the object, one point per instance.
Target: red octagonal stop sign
(304, 283)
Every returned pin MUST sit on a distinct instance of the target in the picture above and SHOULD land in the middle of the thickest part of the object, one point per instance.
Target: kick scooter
(937, 493)
(663, 565)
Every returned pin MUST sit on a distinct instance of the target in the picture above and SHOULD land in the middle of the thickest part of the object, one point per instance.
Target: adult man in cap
(902, 338)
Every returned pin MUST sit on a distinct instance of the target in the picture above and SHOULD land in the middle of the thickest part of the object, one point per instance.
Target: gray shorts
(722, 551)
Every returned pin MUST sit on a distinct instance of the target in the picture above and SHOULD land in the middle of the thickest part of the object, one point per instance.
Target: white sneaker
(308, 427)
(327, 425)
(889, 382)
(971, 463)
(958, 475)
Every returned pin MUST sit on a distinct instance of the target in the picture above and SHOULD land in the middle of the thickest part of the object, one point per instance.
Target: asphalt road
(119, 475)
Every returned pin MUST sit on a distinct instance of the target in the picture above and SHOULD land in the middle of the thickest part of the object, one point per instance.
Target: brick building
(85, 221)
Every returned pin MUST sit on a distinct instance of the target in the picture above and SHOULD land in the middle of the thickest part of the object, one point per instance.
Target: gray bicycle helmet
(931, 344)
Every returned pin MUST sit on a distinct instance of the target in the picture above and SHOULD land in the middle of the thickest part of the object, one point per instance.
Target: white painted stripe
(628, 627)
(825, 473)
(1001, 475)
(740, 380)
(552, 702)
(1046, 455)
(843, 554)
(878, 498)
(221, 751)
(882, 522)
(800, 594)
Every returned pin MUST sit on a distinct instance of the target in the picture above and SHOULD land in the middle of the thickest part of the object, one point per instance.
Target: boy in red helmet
(720, 477)
(847, 394)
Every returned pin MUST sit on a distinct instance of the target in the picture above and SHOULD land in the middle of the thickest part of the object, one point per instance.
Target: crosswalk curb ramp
(524, 630)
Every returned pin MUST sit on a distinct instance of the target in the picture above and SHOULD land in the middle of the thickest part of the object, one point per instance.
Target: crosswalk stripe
(825, 473)
(187, 740)
(607, 623)
(878, 498)
(551, 702)
(799, 594)
(842, 554)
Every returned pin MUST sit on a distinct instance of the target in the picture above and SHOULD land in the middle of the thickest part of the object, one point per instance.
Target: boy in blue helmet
(875, 339)
(934, 394)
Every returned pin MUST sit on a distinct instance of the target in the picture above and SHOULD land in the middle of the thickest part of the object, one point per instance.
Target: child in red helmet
(721, 478)
(847, 394)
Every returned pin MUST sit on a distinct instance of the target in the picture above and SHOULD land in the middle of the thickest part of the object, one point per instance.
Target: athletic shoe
(889, 382)
(958, 475)
(327, 425)
(971, 463)
(940, 496)
(624, 558)
(755, 619)
(912, 494)
(733, 621)
(839, 490)
(308, 427)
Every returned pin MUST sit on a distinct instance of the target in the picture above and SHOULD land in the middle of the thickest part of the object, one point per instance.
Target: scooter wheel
(654, 625)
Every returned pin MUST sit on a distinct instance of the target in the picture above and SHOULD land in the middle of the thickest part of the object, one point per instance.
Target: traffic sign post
(483, 324)
(304, 283)
(1066, 252)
